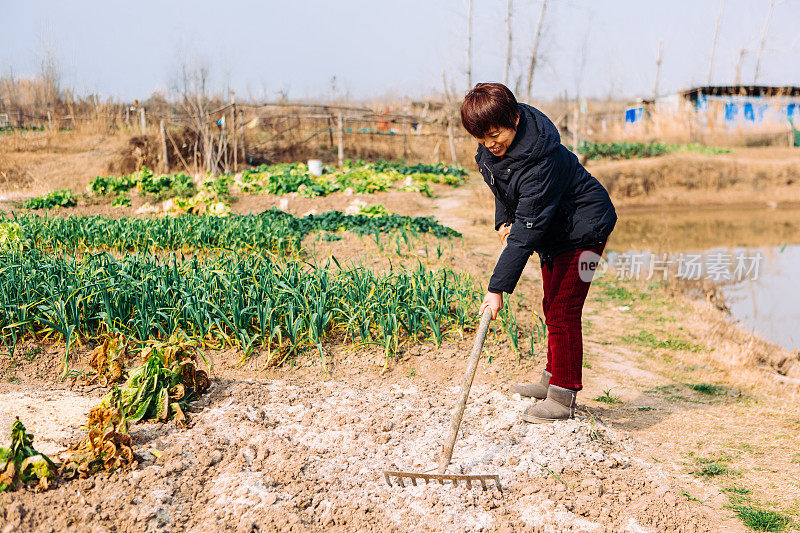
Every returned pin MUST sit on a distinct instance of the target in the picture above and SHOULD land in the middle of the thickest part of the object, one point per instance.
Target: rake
(447, 451)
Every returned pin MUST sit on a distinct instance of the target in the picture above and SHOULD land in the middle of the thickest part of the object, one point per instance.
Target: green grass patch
(711, 470)
(638, 150)
(759, 519)
(31, 354)
(671, 392)
(691, 498)
(752, 514)
(737, 490)
(608, 398)
(618, 293)
(708, 388)
(648, 339)
(713, 467)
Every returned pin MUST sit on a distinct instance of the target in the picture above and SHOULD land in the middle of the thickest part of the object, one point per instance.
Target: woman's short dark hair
(488, 106)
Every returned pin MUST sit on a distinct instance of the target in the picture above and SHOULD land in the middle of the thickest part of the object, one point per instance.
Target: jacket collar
(535, 138)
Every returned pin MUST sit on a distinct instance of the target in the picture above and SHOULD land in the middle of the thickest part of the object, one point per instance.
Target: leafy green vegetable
(11, 236)
(373, 211)
(22, 463)
(107, 445)
(121, 201)
(284, 178)
(62, 198)
(168, 380)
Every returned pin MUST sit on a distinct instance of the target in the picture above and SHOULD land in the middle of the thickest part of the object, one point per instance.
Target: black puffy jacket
(551, 201)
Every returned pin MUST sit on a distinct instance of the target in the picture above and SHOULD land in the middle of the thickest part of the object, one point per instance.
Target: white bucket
(315, 167)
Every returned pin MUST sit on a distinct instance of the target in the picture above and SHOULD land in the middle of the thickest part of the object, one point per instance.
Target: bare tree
(535, 51)
(772, 5)
(659, 58)
(584, 57)
(469, 44)
(508, 45)
(211, 140)
(576, 115)
(49, 73)
(9, 87)
(449, 114)
(714, 41)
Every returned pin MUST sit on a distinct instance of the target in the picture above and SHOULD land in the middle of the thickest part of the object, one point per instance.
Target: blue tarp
(634, 114)
(731, 110)
(744, 110)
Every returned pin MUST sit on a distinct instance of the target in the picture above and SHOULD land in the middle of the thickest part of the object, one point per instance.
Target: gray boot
(533, 390)
(559, 405)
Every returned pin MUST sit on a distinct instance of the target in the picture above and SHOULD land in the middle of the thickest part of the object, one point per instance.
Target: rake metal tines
(468, 479)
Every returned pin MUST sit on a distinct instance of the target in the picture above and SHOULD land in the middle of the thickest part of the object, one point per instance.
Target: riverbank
(746, 177)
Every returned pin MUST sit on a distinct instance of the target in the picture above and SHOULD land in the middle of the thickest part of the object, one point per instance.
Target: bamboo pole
(451, 138)
(340, 133)
(235, 133)
(177, 151)
(576, 120)
(241, 126)
(164, 156)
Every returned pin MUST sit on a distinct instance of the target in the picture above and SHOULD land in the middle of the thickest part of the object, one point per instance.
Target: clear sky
(128, 49)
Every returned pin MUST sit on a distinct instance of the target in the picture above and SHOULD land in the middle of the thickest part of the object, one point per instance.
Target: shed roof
(740, 90)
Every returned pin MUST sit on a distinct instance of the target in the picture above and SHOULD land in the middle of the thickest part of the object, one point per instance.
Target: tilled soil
(306, 455)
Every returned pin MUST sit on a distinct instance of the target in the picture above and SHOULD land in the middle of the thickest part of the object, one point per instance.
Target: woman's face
(498, 139)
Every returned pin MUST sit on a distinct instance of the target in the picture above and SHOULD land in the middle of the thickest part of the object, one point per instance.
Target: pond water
(754, 254)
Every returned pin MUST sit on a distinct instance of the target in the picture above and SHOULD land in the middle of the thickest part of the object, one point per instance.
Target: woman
(545, 202)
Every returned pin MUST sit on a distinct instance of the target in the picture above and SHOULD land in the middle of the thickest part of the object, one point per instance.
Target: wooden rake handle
(469, 375)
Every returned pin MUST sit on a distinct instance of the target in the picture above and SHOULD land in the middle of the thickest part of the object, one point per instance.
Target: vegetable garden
(244, 301)
(272, 230)
(354, 177)
(241, 281)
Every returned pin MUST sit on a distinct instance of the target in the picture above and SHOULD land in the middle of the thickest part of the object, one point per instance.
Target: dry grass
(37, 162)
(721, 179)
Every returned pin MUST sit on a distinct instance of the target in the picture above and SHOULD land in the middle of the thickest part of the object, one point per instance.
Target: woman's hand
(494, 301)
(503, 232)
